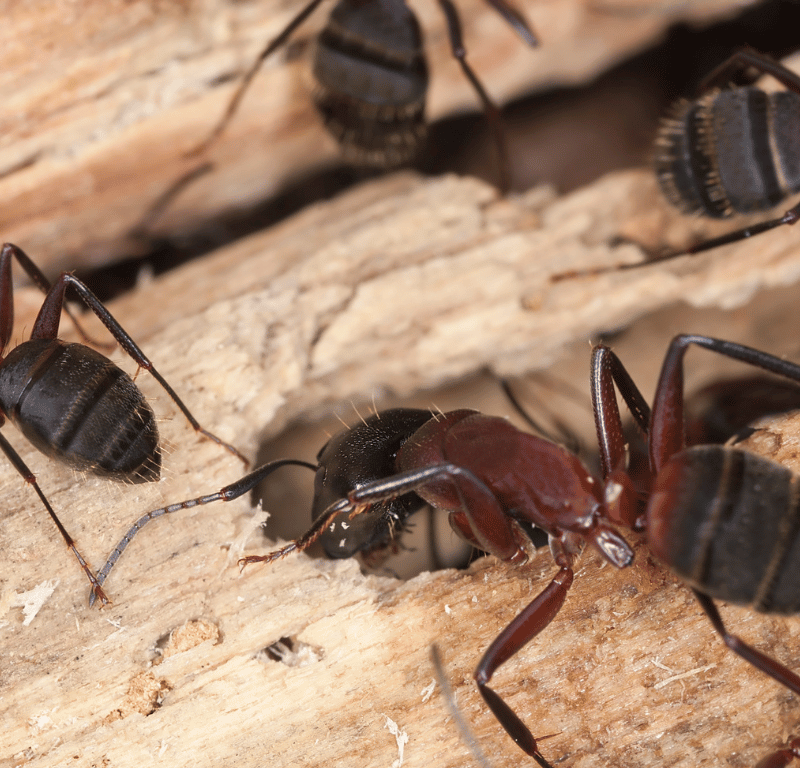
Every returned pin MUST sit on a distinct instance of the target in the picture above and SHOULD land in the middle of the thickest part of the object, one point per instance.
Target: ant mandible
(71, 402)
(372, 79)
(495, 481)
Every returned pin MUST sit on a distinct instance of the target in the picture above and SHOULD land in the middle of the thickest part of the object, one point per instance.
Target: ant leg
(236, 99)
(606, 370)
(228, 493)
(622, 496)
(782, 757)
(760, 661)
(791, 216)
(489, 527)
(35, 274)
(6, 296)
(30, 478)
(46, 327)
(529, 623)
(666, 434)
(516, 21)
(493, 115)
(140, 232)
(749, 57)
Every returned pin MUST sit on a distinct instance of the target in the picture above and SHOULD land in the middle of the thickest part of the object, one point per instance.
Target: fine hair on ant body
(372, 79)
(725, 521)
(71, 402)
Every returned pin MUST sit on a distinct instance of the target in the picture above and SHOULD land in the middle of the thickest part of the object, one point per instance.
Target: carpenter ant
(731, 151)
(73, 403)
(716, 515)
(372, 79)
(355, 457)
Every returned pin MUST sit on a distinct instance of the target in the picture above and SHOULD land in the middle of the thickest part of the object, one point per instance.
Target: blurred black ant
(735, 150)
(73, 403)
(732, 151)
(724, 520)
(372, 79)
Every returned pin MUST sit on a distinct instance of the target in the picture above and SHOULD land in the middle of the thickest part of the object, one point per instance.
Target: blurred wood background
(102, 101)
(401, 289)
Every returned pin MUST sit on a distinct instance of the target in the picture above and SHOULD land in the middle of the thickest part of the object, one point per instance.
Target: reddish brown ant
(73, 403)
(716, 515)
(372, 79)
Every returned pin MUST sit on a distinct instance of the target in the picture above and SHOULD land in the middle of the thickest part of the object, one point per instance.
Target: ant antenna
(455, 712)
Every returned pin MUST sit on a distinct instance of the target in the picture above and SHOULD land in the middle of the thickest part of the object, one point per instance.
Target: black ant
(355, 457)
(372, 79)
(724, 520)
(732, 151)
(72, 402)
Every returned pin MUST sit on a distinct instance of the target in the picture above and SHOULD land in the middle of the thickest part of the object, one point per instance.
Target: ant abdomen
(731, 151)
(76, 406)
(372, 79)
(715, 508)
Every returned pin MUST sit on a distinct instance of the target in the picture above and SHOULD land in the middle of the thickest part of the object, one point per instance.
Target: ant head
(356, 456)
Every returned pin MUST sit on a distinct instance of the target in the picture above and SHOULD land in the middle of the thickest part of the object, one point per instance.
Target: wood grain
(399, 284)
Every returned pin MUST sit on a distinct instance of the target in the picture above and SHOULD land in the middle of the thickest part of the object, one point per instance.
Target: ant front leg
(529, 623)
(490, 527)
(606, 371)
(46, 327)
(782, 757)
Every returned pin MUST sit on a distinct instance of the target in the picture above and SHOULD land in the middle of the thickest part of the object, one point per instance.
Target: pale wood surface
(405, 283)
(401, 283)
(101, 101)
